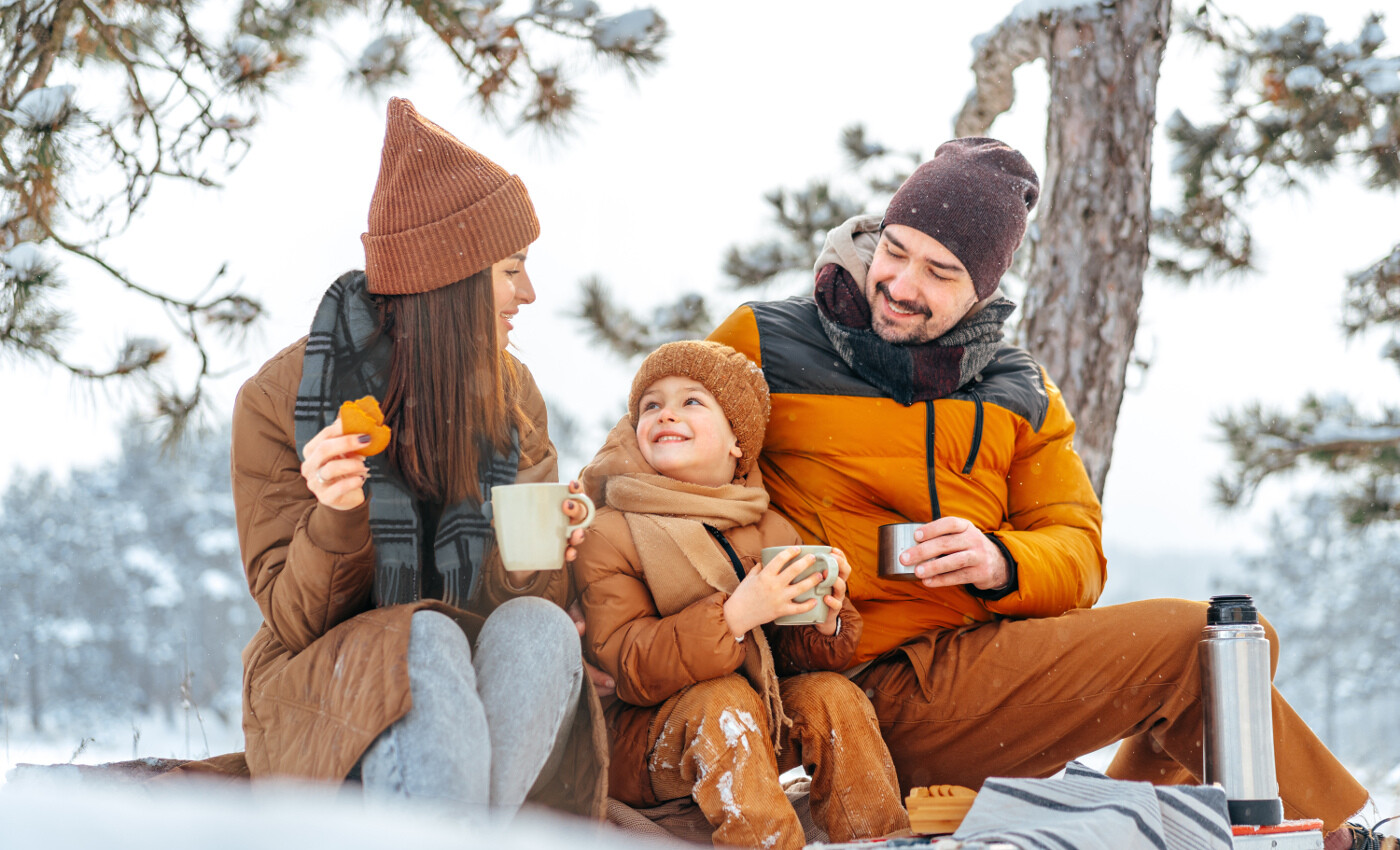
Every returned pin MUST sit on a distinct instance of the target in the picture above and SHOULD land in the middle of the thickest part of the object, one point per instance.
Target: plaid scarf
(347, 357)
(906, 373)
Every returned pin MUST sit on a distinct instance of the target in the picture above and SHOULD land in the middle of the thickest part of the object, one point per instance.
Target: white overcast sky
(661, 178)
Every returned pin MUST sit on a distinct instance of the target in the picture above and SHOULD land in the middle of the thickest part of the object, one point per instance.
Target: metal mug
(894, 539)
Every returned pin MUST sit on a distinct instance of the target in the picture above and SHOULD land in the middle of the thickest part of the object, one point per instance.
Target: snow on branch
(44, 109)
(628, 32)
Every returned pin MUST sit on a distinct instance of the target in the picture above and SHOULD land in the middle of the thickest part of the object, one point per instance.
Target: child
(679, 612)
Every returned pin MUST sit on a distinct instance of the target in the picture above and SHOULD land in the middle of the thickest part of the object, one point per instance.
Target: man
(894, 400)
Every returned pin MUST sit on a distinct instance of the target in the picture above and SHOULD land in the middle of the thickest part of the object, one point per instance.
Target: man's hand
(953, 551)
(602, 682)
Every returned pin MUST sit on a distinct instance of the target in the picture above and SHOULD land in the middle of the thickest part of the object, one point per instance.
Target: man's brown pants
(1023, 697)
(713, 744)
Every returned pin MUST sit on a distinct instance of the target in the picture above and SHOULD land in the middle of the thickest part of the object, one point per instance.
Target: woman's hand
(575, 511)
(766, 593)
(837, 596)
(334, 475)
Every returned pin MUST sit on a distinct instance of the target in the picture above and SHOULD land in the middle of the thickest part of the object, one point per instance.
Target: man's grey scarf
(346, 358)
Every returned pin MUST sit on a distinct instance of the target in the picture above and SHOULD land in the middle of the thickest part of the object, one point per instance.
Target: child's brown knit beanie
(735, 382)
(973, 197)
(441, 212)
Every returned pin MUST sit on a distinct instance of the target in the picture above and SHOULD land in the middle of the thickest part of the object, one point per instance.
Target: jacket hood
(851, 246)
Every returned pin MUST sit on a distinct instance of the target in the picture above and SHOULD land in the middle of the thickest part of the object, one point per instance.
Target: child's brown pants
(1023, 697)
(711, 742)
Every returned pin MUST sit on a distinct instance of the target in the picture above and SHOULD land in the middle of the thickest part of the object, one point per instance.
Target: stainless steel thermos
(1239, 738)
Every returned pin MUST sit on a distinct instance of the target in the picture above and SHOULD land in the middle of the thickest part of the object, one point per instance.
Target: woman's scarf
(906, 373)
(346, 357)
(680, 560)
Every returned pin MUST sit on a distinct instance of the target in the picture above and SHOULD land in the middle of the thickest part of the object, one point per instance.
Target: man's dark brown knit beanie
(441, 212)
(735, 382)
(973, 197)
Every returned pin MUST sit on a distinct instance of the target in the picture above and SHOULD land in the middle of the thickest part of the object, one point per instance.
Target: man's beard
(903, 334)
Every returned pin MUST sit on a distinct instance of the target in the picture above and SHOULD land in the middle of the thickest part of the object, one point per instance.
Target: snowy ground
(277, 816)
(61, 814)
(117, 739)
(268, 817)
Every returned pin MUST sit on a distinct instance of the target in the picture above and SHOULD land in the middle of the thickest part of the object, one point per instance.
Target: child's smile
(684, 434)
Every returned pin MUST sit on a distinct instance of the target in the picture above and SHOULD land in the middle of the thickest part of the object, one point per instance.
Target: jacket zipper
(728, 550)
(929, 459)
(976, 434)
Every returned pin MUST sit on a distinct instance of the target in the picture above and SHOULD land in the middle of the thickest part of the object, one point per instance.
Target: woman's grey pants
(485, 727)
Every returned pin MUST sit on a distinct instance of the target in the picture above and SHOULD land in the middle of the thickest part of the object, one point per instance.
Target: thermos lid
(1236, 608)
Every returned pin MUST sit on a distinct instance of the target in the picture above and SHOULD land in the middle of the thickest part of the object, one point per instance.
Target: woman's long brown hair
(453, 394)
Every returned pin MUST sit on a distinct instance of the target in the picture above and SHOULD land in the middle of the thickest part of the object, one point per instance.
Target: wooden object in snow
(938, 808)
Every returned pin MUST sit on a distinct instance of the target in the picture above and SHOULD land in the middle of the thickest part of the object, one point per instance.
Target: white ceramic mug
(824, 561)
(532, 530)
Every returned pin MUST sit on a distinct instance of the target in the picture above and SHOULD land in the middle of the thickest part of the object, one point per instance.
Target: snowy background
(649, 193)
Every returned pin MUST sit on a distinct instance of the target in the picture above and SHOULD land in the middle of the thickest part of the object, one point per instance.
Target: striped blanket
(1085, 810)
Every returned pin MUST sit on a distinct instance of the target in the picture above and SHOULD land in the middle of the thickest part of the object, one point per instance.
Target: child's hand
(766, 593)
(837, 595)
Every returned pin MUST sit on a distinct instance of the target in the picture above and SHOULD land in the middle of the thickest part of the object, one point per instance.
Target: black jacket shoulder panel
(797, 356)
(1014, 381)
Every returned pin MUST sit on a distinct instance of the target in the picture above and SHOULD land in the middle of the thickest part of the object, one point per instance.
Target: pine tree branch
(1327, 433)
(175, 80)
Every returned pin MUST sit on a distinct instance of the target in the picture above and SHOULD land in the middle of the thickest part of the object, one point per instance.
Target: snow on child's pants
(713, 745)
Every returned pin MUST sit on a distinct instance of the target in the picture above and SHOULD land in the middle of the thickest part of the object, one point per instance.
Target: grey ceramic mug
(894, 539)
(824, 561)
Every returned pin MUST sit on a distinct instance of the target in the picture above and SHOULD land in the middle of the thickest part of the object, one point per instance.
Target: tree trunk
(1089, 250)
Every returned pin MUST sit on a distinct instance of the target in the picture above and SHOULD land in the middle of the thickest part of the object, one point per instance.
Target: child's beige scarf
(680, 560)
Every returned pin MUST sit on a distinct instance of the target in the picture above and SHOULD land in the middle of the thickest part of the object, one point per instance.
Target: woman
(377, 575)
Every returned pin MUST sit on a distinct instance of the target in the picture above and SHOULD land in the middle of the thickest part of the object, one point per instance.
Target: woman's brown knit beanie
(441, 212)
(974, 197)
(735, 382)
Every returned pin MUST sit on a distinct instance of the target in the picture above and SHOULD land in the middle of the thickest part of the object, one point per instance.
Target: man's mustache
(906, 306)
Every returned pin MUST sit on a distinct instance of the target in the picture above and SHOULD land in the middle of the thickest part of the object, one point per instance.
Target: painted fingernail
(365, 438)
